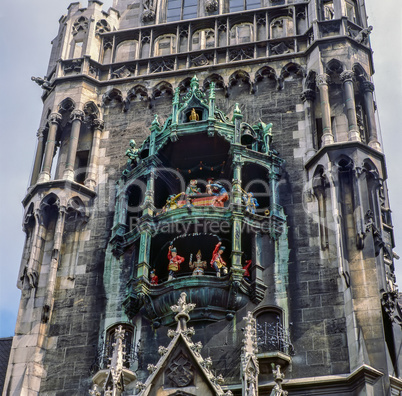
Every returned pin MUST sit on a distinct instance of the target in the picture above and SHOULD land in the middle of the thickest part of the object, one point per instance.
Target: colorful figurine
(220, 192)
(217, 262)
(171, 202)
(250, 202)
(198, 265)
(246, 268)
(192, 188)
(174, 262)
(154, 278)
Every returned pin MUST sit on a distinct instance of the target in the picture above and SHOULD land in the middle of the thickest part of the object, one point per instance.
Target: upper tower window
(202, 39)
(282, 27)
(240, 5)
(242, 33)
(181, 9)
(165, 45)
(351, 11)
(127, 50)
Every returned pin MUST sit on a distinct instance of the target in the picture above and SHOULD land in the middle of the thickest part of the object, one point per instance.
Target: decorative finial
(155, 122)
(182, 309)
(237, 109)
(194, 83)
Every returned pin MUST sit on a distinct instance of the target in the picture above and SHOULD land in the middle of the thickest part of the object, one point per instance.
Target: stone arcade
(208, 210)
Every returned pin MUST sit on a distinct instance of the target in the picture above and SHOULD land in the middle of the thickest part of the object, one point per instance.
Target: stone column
(368, 89)
(144, 254)
(90, 180)
(327, 136)
(237, 214)
(38, 157)
(77, 117)
(348, 89)
(308, 97)
(51, 281)
(54, 120)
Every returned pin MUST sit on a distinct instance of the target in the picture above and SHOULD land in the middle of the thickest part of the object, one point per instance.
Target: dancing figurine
(174, 262)
(198, 265)
(250, 202)
(217, 262)
(220, 193)
(154, 278)
(246, 268)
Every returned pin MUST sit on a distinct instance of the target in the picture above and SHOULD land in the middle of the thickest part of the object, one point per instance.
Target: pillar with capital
(327, 136)
(77, 116)
(347, 79)
(368, 89)
(54, 120)
(90, 180)
(38, 156)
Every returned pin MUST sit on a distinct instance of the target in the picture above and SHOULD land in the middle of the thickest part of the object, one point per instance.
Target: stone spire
(249, 362)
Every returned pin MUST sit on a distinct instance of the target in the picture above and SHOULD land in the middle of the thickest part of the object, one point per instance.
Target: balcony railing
(272, 337)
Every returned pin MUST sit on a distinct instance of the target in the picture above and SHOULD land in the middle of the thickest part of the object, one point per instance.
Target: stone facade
(318, 313)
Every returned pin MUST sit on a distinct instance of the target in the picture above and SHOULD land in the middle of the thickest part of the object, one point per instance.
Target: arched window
(128, 343)
(240, 5)
(328, 10)
(271, 332)
(126, 51)
(181, 9)
(202, 39)
(351, 11)
(242, 33)
(165, 45)
(282, 27)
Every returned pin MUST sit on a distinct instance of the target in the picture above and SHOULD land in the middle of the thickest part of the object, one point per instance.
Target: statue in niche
(217, 262)
(174, 262)
(154, 278)
(250, 202)
(133, 154)
(219, 192)
(194, 116)
(211, 5)
(198, 266)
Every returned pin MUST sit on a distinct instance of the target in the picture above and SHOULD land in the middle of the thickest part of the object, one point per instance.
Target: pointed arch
(138, 92)
(334, 69)
(310, 82)
(360, 73)
(292, 70)
(184, 85)
(239, 76)
(91, 110)
(66, 105)
(111, 95)
(162, 89)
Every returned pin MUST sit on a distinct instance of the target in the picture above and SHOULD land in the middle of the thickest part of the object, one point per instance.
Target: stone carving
(211, 5)
(241, 54)
(162, 65)
(281, 48)
(107, 43)
(122, 72)
(80, 25)
(347, 75)
(363, 36)
(330, 27)
(279, 377)
(249, 363)
(182, 308)
(148, 14)
(42, 82)
(93, 71)
(322, 79)
(73, 66)
(308, 95)
(77, 115)
(102, 26)
(201, 60)
(180, 371)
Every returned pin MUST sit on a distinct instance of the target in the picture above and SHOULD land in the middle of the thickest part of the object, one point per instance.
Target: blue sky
(26, 30)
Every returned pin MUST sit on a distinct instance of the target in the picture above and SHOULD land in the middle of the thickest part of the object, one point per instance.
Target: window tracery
(165, 45)
(241, 33)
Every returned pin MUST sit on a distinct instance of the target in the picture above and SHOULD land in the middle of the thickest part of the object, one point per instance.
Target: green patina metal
(195, 116)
